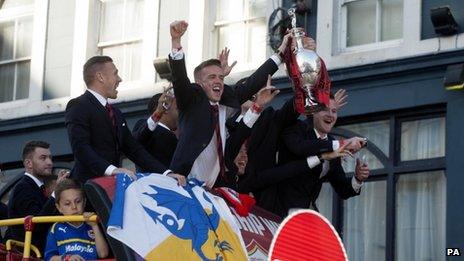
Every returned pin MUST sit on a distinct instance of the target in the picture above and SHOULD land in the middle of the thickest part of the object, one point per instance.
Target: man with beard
(29, 196)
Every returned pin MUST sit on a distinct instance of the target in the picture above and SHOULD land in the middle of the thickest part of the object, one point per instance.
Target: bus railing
(29, 222)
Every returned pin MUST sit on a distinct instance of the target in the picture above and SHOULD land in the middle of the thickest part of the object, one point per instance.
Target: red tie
(110, 112)
(44, 192)
(215, 111)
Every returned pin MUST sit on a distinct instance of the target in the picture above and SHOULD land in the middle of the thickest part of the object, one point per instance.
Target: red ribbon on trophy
(308, 73)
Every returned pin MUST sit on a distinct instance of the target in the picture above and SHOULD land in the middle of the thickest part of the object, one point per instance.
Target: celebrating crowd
(222, 135)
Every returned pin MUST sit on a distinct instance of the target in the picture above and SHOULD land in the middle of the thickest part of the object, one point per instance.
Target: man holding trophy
(310, 139)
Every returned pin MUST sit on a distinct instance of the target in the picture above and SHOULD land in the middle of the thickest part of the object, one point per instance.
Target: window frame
(211, 38)
(38, 11)
(120, 42)
(343, 29)
(246, 21)
(86, 45)
(394, 167)
(329, 39)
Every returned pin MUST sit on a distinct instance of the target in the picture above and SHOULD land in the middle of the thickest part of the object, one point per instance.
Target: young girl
(74, 241)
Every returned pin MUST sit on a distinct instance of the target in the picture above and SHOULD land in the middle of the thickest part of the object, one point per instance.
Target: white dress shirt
(36, 180)
(206, 166)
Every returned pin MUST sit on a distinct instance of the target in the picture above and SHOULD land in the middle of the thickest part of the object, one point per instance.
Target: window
(370, 21)
(400, 214)
(420, 218)
(423, 139)
(120, 35)
(241, 26)
(364, 222)
(16, 20)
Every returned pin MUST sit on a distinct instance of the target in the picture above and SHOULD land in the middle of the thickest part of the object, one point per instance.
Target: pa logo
(453, 252)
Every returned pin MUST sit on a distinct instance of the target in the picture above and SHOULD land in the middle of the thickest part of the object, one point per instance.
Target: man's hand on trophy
(177, 29)
(308, 43)
(285, 42)
(340, 98)
(266, 94)
(224, 58)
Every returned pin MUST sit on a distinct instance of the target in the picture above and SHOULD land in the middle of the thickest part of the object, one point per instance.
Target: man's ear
(27, 163)
(99, 77)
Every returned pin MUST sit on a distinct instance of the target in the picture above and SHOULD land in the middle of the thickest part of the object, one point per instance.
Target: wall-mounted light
(162, 68)
(454, 77)
(443, 21)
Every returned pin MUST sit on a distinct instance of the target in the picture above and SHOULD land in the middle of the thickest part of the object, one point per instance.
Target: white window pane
(229, 10)
(361, 22)
(423, 139)
(420, 216)
(22, 80)
(232, 37)
(169, 13)
(377, 132)
(6, 82)
(112, 21)
(349, 163)
(134, 19)
(364, 224)
(392, 19)
(257, 8)
(6, 40)
(134, 60)
(117, 54)
(127, 58)
(24, 38)
(256, 42)
(15, 3)
(325, 201)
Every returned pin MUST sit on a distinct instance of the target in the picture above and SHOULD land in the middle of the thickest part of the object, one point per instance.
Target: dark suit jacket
(303, 189)
(262, 171)
(27, 199)
(160, 143)
(195, 117)
(96, 144)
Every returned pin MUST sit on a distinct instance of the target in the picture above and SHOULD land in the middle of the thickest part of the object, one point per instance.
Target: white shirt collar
(213, 103)
(319, 136)
(36, 180)
(99, 97)
(164, 126)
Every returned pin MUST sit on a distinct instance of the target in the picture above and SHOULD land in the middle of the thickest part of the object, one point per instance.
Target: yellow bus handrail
(10, 243)
(46, 219)
(29, 222)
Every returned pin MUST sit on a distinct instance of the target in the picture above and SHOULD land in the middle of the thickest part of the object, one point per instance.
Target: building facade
(385, 53)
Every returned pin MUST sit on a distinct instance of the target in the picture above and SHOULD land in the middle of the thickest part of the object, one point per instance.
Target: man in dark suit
(28, 196)
(203, 108)
(156, 133)
(98, 132)
(261, 146)
(310, 141)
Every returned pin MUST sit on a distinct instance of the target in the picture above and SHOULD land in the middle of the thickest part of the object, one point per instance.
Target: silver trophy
(309, 69)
